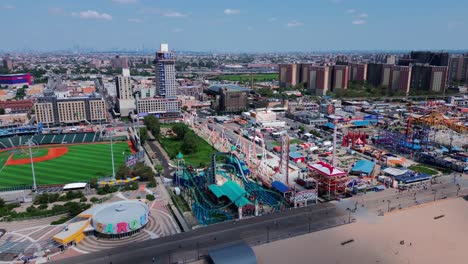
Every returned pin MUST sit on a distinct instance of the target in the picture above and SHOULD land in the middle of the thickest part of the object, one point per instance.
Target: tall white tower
(165, 73)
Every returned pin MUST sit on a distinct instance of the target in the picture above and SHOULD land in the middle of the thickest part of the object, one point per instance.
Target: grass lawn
(173, 147)
(423, 169)
(24, 153)
(260, 77)
(291, 142)
(81, 163)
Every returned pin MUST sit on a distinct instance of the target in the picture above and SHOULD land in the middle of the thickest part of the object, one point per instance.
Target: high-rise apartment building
(429, 78)
(304, 75)
(340, 77)
(374, 73)
(386, 74)
(124, 90)
(318, 80)
(400, 79)
(289, 74)
(165, 104)
(55, 111)
(165, 73)
(458, 68)
(358, 72)
(438, 81)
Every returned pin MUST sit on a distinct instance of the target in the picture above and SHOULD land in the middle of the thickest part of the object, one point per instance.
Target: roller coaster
(230, 175)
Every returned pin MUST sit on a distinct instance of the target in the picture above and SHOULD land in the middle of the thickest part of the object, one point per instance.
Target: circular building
(118, 219)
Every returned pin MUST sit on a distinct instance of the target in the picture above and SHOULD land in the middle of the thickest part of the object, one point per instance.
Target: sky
(234, 25)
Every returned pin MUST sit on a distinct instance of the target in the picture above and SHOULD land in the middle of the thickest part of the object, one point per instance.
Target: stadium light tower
(111, 134)
(30, 142)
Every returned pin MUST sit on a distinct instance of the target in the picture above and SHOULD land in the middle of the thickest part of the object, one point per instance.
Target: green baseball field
(61, 164)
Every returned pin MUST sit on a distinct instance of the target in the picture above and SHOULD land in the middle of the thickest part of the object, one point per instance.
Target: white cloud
(362, 15)
(351, 11)
(7, 7)
(359, 22)
(125, 2)
(231, 11)
(91, 14)
(173, 14)
(177, 30)
(135, 20)
(294, 23)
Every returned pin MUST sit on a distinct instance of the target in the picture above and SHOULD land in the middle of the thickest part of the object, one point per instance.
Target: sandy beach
(379, 240)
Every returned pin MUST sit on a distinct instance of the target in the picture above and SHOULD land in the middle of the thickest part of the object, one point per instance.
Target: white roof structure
(393, 171)
(326, 169)
(76, 185)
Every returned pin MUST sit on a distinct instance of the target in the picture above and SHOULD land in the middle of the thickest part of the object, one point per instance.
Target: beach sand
(426, 240)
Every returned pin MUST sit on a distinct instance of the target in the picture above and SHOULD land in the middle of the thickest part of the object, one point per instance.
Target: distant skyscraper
(165, 73)
(426, 57)
(340, 77)
(119, 62)
(8, 63)
(289, 74)
(319, 77)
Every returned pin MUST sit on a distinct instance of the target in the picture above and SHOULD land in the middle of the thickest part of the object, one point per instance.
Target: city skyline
(222, 26)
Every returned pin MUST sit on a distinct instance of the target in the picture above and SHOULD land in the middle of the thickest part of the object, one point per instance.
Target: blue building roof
(362, 123)
(413, 177)
(363, 166)
(279, 186)
(329, 125)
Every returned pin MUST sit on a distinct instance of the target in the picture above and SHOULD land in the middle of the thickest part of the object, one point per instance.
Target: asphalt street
(257, 230)
(270, 227)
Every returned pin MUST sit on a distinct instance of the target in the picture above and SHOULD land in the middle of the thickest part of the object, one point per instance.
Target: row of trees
(188, 137)
(153, 125)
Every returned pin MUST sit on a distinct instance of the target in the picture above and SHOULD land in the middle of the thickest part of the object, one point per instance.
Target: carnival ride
(232, 175)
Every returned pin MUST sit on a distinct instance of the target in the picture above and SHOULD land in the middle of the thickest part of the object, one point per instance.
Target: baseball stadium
(59, 158)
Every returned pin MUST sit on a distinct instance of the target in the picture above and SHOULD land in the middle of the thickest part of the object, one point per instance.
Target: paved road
(254, 231)
(262, 229)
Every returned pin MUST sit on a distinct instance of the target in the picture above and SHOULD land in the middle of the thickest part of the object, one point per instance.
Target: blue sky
(235, 25)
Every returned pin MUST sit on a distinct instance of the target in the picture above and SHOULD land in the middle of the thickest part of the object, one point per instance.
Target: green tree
(150, 197)
(153, 125)
(145, 172)
(2, 111)
(93, 183)
(159, 168)
(94, 199)
(2, 203)
(180, 130)
(122, 172)
(190, 144)
(143, 134)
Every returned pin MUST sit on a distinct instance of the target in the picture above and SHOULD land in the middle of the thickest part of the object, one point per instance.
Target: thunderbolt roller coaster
(233, 169)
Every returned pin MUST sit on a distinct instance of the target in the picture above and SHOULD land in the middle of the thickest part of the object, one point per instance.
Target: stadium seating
(9, 142)
(15, 141)
(5, 143)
